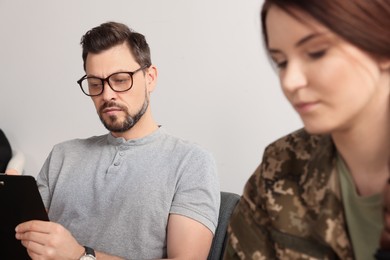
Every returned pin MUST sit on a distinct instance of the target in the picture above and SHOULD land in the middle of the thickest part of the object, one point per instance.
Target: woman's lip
(305, 107)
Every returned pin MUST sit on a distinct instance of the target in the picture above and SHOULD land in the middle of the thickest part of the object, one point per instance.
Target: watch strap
(89, 251)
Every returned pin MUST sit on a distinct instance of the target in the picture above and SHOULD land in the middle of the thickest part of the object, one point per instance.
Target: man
(135, 193)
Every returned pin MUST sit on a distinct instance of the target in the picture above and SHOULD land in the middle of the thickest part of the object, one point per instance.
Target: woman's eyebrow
(300, 42)
(308, 38)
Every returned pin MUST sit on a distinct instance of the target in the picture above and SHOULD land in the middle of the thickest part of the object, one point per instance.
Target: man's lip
(111, 109)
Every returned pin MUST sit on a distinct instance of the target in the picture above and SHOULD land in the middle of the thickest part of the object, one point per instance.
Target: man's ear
(151, 74)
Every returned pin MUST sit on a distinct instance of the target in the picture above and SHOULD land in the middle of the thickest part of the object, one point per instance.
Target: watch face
(87, 257)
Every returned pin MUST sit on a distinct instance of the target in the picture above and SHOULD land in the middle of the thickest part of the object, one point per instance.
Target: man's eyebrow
(300, 42)
(92, 76)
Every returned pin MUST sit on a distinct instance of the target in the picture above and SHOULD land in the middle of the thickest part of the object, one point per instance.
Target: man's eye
(119, 81)
(94, 84)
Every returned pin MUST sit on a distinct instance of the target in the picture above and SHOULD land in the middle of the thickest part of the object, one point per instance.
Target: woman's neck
(365, 148)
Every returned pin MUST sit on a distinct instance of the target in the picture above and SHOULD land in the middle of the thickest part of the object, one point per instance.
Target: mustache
(111, 104)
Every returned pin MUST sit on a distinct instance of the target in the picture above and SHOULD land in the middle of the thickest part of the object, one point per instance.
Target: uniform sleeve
(197, 194)
(248, 235)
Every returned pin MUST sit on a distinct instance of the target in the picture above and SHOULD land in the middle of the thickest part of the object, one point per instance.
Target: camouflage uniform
(291, 206)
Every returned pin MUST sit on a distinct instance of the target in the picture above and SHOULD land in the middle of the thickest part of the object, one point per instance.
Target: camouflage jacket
(291, 206)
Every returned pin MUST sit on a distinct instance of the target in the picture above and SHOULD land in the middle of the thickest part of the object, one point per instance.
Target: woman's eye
(280, 64)
(317, 54)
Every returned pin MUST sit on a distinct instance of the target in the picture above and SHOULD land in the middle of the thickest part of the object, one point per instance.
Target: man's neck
(144, 127)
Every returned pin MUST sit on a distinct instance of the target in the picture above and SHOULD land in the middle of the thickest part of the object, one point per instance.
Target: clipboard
(20, 201)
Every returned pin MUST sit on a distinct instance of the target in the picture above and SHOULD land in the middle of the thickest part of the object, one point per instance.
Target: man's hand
(48, 240)
(12, 172)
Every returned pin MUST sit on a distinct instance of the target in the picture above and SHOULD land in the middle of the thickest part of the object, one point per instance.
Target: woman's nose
(293, 77)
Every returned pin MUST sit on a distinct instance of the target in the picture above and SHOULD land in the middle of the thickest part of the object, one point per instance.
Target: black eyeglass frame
(131, 73)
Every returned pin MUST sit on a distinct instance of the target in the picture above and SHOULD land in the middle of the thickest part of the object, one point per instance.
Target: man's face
(119, 111)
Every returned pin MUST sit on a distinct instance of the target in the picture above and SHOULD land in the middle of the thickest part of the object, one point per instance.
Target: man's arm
(187, 238)
(49, 240)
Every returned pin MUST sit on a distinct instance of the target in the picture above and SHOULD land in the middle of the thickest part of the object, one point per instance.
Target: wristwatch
(89, 254)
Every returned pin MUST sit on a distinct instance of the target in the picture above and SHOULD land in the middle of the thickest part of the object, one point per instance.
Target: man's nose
(108, 93)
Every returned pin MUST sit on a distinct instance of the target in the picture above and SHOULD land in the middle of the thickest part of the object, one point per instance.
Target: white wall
(216, 86)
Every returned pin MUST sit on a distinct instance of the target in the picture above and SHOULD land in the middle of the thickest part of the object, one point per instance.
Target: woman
(318, 191)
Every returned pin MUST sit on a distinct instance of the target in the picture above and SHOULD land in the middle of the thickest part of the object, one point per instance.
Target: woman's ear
(151, 74)
(384, 64)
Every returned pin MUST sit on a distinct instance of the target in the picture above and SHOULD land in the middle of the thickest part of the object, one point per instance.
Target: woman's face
(333, 85)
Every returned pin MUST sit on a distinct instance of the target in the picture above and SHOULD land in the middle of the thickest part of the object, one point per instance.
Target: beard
(115, 124)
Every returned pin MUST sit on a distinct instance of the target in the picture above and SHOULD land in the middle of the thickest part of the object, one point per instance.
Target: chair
(228, 203)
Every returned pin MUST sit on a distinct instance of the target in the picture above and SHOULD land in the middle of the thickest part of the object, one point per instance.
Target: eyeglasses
(118, 82)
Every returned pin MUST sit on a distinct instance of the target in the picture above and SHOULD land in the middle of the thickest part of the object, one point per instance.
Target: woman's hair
(110, 34)
(363, 23)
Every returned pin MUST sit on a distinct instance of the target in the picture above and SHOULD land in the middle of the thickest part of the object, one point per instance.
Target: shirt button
(116, 163)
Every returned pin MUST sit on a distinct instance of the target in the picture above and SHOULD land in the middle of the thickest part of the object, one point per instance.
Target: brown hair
(363, 23)
(109, 34)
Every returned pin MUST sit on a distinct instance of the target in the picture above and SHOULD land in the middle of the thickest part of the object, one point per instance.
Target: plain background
(216, 86)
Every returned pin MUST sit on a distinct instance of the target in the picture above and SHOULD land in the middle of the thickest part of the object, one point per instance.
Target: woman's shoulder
(300, 142)
(296, 153)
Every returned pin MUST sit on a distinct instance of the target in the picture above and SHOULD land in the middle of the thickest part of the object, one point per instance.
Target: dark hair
(110, 34)
(363, 23)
